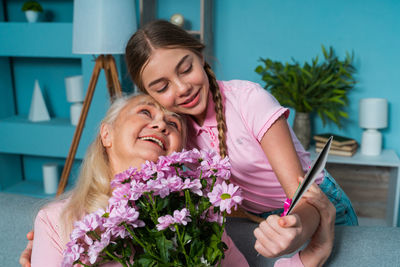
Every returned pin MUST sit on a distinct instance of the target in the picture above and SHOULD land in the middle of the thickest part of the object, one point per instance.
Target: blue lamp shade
(102, 26)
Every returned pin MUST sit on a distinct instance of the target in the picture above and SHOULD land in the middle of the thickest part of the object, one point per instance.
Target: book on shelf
(337, 152)
(341, 146)
(338, 141)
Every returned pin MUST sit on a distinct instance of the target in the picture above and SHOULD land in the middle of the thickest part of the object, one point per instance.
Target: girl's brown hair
(163, 34)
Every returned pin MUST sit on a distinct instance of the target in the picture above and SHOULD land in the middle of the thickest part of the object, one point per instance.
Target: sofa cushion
(354, 245)
(17, 216)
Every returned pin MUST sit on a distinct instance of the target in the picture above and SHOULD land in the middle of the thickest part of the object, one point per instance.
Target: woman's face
(177, 80)
(142, 131)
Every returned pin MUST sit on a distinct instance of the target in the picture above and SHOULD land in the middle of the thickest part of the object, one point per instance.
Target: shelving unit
(40, 51)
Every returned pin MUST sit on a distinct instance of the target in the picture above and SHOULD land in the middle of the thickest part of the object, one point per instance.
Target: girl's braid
(219, 109)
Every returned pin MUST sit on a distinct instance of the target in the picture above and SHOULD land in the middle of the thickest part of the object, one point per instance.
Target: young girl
(122, 143)
(238, 118)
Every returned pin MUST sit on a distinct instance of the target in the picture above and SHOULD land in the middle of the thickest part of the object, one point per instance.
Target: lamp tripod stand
(107, 63)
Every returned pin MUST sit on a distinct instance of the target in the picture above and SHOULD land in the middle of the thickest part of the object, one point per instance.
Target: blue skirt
(345, 214)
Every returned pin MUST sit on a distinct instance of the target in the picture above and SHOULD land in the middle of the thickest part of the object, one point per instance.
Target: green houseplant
(319, 87)
(32, 10)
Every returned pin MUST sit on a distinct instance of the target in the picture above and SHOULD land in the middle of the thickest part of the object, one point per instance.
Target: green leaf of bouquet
(144, 260)
(162, 203)
(196, 249)
(216, 228)
(163, 246)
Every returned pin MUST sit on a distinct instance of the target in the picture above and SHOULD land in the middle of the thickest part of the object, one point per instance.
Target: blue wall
(280, 30)
(244, 31)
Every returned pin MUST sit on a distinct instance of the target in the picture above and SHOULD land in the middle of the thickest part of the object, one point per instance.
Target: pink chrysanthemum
(225, 196)
(165, 222)
(182, 216)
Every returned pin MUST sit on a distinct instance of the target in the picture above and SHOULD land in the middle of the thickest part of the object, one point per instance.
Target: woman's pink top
(249, 112)
(48, 244)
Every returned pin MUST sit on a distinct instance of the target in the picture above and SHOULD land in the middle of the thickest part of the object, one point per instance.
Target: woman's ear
(106, 134)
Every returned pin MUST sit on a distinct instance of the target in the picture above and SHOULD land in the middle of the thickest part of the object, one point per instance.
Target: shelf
(30, 188)
(194, 32)
(51, 138)
(36, 40)
(388, 158)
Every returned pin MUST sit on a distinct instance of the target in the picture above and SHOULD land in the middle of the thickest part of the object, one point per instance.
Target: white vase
(32, 16)
(75, 113)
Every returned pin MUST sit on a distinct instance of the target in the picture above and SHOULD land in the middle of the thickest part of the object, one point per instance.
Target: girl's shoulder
(238, 86)
(243, 91)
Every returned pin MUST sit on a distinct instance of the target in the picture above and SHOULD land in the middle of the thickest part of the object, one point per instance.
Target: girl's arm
(280, 151)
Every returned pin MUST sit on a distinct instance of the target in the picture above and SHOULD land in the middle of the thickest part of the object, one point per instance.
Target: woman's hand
(25, 258)
(277, 236)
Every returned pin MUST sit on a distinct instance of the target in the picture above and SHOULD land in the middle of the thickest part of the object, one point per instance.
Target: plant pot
(32, 16)
(302, 128)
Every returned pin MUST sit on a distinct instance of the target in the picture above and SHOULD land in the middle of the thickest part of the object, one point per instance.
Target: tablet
(316, 168)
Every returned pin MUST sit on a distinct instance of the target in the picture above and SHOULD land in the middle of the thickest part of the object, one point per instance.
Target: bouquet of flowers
(169, 213)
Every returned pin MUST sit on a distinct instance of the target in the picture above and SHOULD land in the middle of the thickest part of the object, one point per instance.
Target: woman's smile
(160, 142)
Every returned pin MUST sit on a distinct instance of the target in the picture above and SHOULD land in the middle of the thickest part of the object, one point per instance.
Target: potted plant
(32, 10)
(317, 87)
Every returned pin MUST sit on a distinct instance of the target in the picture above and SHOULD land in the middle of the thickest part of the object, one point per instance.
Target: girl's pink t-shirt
(249, 112)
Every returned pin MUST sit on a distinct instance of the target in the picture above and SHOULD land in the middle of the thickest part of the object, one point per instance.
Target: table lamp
(373, 115)
(101, 28)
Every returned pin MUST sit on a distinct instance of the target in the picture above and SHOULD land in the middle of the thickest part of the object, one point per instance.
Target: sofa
(360, 246)
(354, 245)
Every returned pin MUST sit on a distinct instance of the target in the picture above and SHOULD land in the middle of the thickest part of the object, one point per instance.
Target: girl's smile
(192, 101)
(176, 78)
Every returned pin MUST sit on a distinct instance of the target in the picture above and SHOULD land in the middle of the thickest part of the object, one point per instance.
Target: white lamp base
(371, 142)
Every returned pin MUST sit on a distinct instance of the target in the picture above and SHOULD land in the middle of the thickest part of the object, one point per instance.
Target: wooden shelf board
(36, 40)
(51, 138)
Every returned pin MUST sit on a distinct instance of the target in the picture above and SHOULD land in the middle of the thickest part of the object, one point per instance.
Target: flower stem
(146, 249)
(116, 258)
(81, 263)
(182, 245)
(153, 205)
(189, 203)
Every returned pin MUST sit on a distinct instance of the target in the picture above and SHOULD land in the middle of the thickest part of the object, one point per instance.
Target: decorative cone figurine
(38, 110)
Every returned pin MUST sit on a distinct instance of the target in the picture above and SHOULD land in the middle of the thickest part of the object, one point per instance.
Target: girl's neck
(199, 119)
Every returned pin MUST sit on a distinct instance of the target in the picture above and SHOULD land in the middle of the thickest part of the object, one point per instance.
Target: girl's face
(176, 79)
(142, 131)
